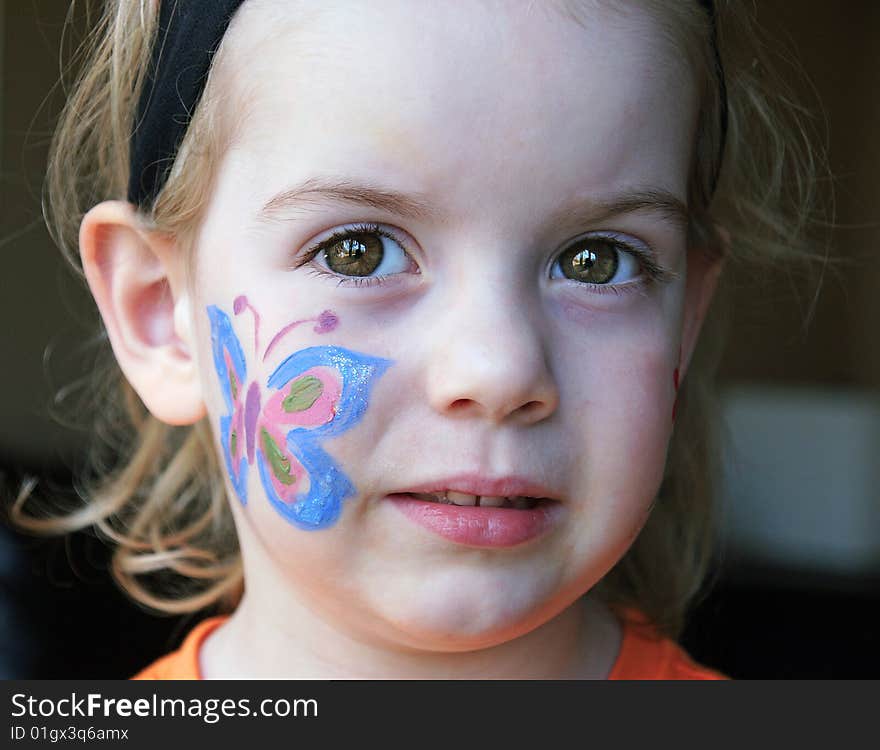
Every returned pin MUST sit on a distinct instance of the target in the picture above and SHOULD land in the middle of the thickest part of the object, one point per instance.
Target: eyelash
(652, 272)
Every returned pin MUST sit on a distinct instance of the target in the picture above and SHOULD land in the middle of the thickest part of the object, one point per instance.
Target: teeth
(492, 502)
(460, 498)
(431, 498)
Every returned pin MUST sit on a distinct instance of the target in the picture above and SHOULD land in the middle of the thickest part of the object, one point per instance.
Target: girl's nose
(490, 362)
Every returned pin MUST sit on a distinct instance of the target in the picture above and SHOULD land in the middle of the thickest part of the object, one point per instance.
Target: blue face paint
(231, 370)
(314, 394)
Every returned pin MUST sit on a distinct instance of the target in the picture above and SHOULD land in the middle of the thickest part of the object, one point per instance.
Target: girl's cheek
(618, 399)
(280, 406)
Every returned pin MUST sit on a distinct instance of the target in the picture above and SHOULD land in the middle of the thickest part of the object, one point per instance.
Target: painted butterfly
(314, 394)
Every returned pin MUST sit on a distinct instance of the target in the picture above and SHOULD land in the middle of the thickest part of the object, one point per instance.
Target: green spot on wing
(233, 385)
(233, 441)
(278, 462)
(304, 392)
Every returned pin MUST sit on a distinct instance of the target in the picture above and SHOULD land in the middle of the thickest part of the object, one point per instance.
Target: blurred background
(797, 586)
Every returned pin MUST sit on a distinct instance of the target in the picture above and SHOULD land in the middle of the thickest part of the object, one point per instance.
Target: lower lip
(476, 526)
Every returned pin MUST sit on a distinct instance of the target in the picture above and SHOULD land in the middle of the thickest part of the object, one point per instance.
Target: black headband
(187, 36)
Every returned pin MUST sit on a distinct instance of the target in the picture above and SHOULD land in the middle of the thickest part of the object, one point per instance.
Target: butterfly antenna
(324, 323)
(241, 304)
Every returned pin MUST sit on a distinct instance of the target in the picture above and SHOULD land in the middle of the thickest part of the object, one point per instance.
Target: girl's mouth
(517, 502)
(480, 521)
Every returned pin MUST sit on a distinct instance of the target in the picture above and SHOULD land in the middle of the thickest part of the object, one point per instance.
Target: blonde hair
(162, 499)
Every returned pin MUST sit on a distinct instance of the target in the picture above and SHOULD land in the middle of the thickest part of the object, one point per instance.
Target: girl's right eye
(362, 254)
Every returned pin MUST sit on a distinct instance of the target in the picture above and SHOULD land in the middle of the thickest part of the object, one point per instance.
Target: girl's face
(508, 306)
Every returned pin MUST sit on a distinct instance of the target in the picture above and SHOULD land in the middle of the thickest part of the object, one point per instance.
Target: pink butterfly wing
(307, 401)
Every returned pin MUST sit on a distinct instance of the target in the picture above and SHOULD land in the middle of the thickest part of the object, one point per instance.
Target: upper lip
(484, 486)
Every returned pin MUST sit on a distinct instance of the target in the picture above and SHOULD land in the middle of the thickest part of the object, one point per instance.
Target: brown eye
(592, 261)
(355, 255)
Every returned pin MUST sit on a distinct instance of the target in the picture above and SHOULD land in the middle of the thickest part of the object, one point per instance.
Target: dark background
(796, 591)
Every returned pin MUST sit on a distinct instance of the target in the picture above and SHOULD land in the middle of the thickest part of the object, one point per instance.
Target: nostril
(460, 404)
(531, 408)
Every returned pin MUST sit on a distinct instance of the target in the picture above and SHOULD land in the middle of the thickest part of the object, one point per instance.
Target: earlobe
(704, 269)
(137, 280)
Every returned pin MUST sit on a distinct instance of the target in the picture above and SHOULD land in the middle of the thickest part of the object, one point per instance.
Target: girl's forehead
(479, 95)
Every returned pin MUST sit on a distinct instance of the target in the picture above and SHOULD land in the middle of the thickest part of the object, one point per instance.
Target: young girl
(406, 297)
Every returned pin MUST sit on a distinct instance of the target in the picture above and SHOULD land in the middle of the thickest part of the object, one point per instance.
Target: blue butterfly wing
(321, 505)
(229, 362)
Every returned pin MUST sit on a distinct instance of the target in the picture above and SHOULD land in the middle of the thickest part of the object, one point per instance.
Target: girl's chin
(461, 611)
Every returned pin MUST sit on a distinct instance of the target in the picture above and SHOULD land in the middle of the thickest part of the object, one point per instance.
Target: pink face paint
(318, 392)
(675, 377)
(324, 323)
(327, 321)
(239, 306)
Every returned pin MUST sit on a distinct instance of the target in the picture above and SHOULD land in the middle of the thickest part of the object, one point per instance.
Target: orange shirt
(643, 656)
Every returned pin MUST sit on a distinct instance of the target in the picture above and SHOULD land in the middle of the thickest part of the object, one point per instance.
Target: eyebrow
(316, 190)
(660, 201)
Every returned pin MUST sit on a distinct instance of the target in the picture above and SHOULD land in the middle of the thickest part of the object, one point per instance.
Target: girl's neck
(582, 642)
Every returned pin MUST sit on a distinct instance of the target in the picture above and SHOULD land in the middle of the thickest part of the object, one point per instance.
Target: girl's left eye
(600, 259)
(361, 254)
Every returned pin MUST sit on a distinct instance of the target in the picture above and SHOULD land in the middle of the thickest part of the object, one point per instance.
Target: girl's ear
(137, 279)
(704, 266)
